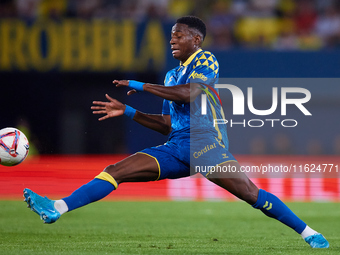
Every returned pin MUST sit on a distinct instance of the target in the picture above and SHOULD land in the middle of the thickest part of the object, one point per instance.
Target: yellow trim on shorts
(221, 164)
(107, 177)
(159, 167)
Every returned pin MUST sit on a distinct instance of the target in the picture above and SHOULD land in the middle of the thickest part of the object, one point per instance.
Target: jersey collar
(188, 61)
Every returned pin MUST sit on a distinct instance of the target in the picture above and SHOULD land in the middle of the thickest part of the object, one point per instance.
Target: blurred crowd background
(269, 24)
(47, 86)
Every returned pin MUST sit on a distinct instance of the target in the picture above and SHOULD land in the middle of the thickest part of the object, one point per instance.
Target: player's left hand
(131, 92)
(113, 108)
(121, 83)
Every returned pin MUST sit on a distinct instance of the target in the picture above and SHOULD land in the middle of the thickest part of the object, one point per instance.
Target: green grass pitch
(164, 228)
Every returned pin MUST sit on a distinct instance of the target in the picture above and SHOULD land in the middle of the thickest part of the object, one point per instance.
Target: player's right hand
(113, 108)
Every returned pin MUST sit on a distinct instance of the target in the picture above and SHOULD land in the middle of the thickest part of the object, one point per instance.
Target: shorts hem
(232, 160)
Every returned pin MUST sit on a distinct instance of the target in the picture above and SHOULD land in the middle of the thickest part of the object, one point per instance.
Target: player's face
(183, 42)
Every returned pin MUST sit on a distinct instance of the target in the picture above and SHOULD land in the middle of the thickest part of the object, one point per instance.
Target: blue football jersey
(187, 119)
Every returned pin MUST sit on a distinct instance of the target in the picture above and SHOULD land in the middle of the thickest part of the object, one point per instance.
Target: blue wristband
(137, 85)
(129, 111)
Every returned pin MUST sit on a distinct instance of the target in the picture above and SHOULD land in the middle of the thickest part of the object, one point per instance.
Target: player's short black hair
(194, 22)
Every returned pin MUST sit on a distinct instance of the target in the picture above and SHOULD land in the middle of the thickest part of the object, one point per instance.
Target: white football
(14, 146)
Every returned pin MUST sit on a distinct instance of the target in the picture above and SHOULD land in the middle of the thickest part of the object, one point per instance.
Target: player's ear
(198, 40)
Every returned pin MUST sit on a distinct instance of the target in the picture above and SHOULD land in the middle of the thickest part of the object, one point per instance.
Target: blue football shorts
(176, 157)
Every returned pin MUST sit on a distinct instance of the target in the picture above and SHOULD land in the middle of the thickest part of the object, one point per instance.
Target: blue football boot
(43, 206)
(317, 241)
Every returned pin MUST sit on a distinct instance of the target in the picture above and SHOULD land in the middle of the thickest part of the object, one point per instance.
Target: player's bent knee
(112, 170)
(117, 172)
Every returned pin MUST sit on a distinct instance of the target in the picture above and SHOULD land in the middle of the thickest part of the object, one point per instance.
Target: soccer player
(193, 140)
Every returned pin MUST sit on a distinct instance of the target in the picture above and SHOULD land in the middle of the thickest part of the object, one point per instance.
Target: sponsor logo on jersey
(201, 76)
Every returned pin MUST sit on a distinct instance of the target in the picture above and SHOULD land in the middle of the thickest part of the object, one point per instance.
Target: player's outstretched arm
(180, 93)
(158, 122)
(114, 108)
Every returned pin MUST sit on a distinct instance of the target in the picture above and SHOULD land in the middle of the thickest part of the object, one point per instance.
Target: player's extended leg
(136, 168)
(242, 187)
